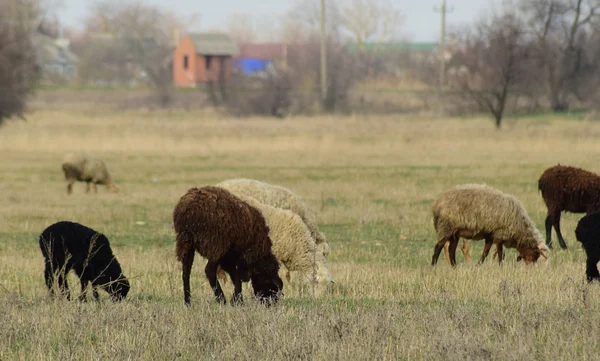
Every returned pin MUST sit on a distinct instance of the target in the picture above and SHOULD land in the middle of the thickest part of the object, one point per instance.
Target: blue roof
(251, 66)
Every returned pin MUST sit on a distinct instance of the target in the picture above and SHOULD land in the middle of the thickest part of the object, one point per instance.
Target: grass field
(372, 181)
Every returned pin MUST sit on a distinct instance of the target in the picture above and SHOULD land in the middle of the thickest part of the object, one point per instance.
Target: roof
(251, 66)
(263, 51)
(214, 44)
(395, 46)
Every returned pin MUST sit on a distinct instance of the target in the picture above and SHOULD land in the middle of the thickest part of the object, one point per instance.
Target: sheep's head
(267, 289)
(532, 255)
(323, 248)
(266, 283)
(118, 289)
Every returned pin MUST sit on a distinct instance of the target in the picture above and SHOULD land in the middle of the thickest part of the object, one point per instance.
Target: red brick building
(203, 57)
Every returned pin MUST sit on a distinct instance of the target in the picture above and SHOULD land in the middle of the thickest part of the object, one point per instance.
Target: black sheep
(230, 233)
(588, 233)
(69, 245)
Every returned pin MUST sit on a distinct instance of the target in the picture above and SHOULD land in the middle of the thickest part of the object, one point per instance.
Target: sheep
(588, 233)
(567, 189)
(69, 245)
(293, 243)
(279, 197)
(85, 168)
(229, 233)
(476, 211)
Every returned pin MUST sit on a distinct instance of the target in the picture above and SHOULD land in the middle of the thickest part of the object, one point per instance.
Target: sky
(421, 21)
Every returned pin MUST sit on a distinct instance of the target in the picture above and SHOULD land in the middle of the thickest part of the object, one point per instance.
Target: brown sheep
(85, 168)
(229, 233)
(567, 189)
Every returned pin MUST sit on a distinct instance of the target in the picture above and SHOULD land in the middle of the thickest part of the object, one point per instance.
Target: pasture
(372, 181)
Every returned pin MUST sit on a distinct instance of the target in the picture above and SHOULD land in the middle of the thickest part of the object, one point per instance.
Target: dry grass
(372, 181)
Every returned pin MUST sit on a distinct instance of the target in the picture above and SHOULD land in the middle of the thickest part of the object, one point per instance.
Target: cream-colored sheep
(86, 168)
(476, 211)
(293, 244)
(279, 197)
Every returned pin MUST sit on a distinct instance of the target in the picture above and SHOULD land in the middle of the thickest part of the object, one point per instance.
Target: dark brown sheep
(230, 233)
(567, 189)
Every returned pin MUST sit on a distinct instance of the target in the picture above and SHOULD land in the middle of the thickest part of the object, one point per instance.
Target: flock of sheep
(248, 229)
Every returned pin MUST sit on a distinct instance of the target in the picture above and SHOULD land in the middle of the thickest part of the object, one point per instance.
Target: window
(185, 62)
(208, 61)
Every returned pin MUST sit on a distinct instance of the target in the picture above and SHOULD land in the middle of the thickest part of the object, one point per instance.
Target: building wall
(212, 72)
(182, 76)
(196, 71)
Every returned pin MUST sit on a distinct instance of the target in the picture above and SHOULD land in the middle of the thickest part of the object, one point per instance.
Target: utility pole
(443, 10)
(323, 54)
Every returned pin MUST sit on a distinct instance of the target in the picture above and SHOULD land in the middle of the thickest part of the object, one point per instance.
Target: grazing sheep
(475, 211)
(279, 197)
(230, 233)
(293, 244)
(69, 245)
(85, 168)
(588, 233)
(567, 189)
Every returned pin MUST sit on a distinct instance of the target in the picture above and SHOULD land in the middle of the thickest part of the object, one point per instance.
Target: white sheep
(476, 211)
(86, 168)
(279, 197)
(293, 244)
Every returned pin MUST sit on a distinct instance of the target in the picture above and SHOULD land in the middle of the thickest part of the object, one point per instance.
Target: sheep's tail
(183, 245)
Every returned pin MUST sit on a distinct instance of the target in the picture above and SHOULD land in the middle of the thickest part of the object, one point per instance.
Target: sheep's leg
(591, 270)
(70, 187)
(84, 284)
(95, 188)
(465, 248)
(437, 250)
(87, 188)
(211, 274)
(593, 256)
(446, 252)
(64, 285)
(561, 240)
(549, 230)
(187, 262)
(452, 250)
(486, 249)
(236, 278)
(499, 250)
(49, 277)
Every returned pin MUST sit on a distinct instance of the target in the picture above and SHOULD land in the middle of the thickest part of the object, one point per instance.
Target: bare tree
(557, 26)
(18, 69)
(373, 21)
(137, 38)
(491, 64)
